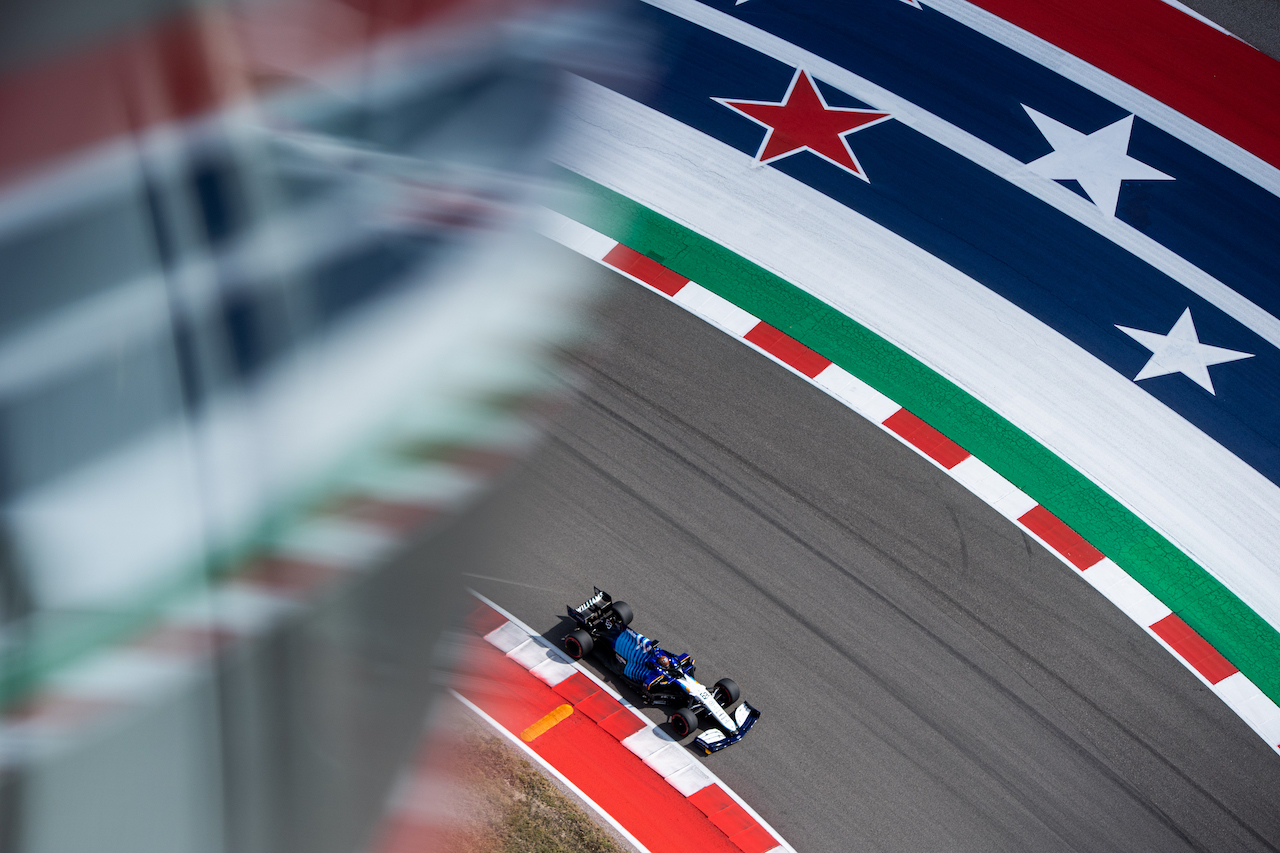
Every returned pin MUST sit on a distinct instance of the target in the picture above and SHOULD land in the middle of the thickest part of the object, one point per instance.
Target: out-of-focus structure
(265, 312)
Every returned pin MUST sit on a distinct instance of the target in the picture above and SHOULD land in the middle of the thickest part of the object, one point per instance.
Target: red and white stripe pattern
(1232, 686)
(658, 751)
(369, 519)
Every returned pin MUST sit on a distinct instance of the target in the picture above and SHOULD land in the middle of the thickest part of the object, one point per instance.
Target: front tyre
(726, 692)
(578, 644)
(683, 722)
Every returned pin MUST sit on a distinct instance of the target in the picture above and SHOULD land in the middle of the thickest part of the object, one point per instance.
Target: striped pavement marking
(541, 727)
(666, 779)
(1235, 689)
(372, 516)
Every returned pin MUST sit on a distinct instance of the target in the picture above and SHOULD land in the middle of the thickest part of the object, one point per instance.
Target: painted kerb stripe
(1260, 710)
(659, 751)
(1213, 611)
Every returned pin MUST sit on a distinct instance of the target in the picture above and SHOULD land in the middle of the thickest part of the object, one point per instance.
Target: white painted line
(689, 781)
(716, 309)
(432, 484)
(1000, 164)
(120, 675)
(1124, 592)
(668, 760)
(506, 637)
(1134, 600)
(553, 671)
(342, 543)
(531, 653)
(1114, 89)
(533, 756)
(1187, 10)
(572, 234)
(981, 479)
(855, 393)
(648, 740)
(1252, 705)
(1015, 505)
(236, 607)
(932, 312)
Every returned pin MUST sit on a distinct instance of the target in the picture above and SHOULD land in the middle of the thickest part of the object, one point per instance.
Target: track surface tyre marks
(930, 677)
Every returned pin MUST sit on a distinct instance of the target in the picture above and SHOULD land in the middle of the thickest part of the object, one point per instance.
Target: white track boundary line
(1245, 699)
(649, 724)
(1001, 165)
(545, 765)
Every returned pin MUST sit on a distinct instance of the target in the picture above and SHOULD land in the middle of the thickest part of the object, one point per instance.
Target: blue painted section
(1054, 268)
(1217, 219)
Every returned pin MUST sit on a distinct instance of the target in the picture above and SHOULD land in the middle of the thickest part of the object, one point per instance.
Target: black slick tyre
(624, 612)
(726, 692)
(683, 722)
(578, 644)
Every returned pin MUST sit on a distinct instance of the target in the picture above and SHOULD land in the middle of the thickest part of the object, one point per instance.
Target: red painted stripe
(788, 349)
(1204, 74)
(395, 516)
(288, 575)
(754, 839)
(711, 799)
(484, 619)
(932, 443)
(1061, 538)
(621, 724)
(599, 705)
(591, 758)
(646, 269)
(1195, 650)
(732, 819)
(576, 687)
(183, 640)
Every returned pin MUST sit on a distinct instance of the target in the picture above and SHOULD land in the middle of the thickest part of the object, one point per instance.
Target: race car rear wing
(589, 612)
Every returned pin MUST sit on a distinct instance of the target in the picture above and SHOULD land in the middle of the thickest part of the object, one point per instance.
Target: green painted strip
(1240, 634)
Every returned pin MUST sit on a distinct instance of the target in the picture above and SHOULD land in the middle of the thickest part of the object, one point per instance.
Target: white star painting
(1180, 351)
(1100, 160)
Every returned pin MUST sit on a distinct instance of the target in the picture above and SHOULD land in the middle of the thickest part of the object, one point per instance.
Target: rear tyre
(578, 644)
(726, 692)
(624, 612)
(683, 721)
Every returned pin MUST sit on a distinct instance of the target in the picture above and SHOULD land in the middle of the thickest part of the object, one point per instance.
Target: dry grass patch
(516, 809)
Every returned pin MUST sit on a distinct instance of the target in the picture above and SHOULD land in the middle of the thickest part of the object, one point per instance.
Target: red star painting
(803, 121)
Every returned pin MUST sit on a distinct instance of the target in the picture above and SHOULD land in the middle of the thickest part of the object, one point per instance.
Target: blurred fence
(266, 312)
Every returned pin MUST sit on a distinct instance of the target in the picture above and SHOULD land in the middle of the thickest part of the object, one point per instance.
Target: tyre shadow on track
(654, 713)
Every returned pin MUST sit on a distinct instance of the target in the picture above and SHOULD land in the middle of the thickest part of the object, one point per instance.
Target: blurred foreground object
(267, 310)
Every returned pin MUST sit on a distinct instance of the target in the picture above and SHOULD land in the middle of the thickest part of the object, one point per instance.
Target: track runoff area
(1216, 624)
(632, 773)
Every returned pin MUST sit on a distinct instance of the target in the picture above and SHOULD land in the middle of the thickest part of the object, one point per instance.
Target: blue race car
(661, 677)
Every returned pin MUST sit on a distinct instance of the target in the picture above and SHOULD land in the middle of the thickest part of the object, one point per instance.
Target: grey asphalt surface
(930, 678)
(1255, 21)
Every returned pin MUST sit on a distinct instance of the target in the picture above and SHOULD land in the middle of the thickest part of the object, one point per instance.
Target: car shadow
(566, 626)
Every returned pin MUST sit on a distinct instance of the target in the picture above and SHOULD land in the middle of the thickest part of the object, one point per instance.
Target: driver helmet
(663, 660)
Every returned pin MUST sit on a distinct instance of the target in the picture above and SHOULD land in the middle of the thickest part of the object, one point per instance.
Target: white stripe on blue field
(1117, 91)
(1205, 500)
(991, 158)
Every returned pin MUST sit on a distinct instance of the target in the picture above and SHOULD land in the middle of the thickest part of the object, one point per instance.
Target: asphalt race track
(931, 679)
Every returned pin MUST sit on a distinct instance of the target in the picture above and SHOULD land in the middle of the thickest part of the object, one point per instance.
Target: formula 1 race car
(660, 677)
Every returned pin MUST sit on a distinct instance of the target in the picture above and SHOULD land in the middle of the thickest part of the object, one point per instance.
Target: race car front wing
(714, 740)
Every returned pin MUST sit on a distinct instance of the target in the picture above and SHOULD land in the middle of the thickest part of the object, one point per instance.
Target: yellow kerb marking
(541, 727)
